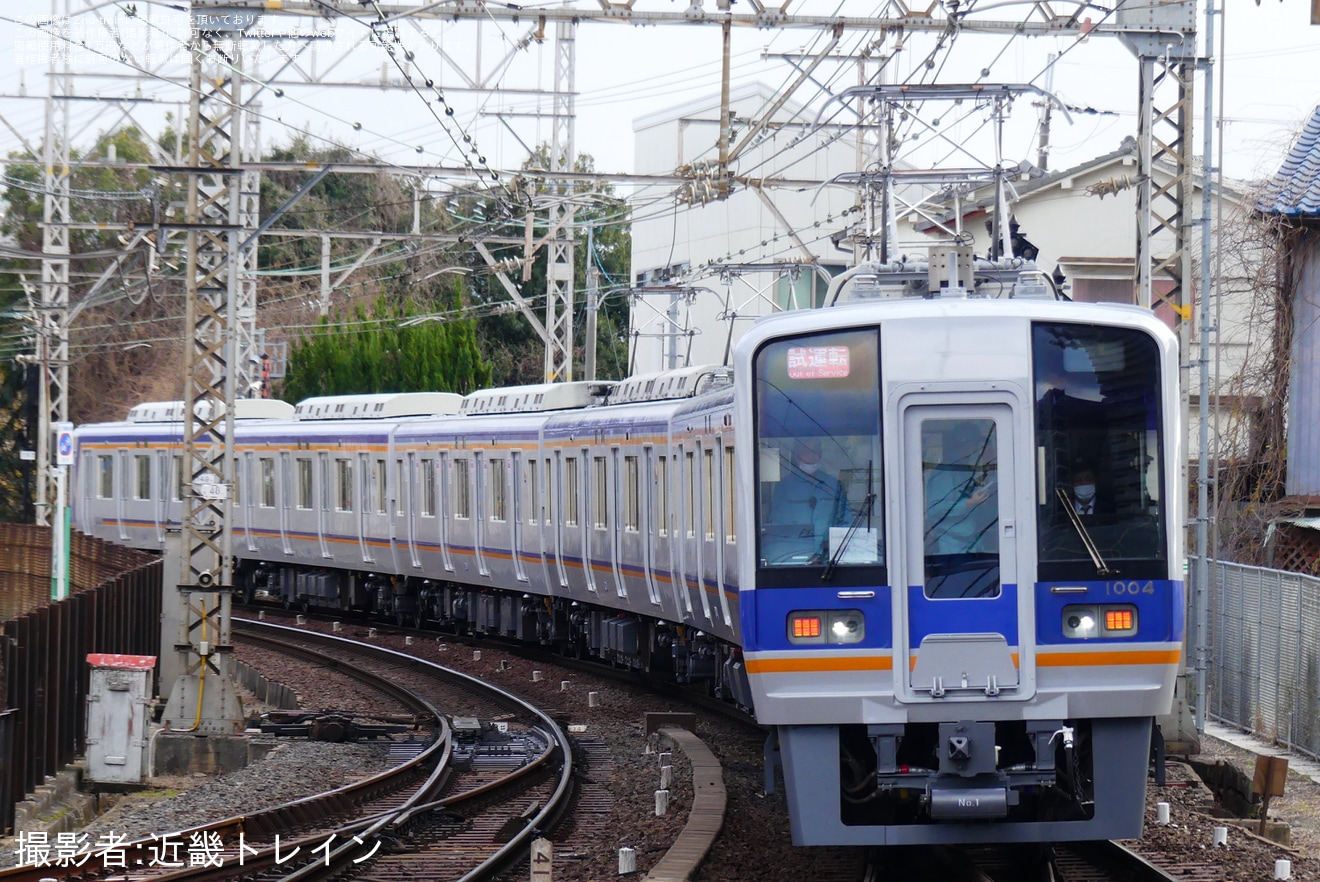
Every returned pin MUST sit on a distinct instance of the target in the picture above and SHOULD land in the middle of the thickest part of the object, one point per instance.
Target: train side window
(632, 514)
(498, 490)
(690, 492)
(142, 476)
(178, 478)
(304, 484)
(571, 491)
(462, 489)
(662, 495)
(105, 468)
(267, 482)
(730, 521)
(380, 486)
(344, 483)
(534, 492)
(428, 488)
(600, 496)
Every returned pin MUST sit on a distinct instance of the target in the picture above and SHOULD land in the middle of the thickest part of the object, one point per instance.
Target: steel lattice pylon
(559, 248)
(52, 316)
(213, 228)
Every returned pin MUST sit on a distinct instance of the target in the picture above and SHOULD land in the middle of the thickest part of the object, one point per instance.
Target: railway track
(1061, 862)
(458, 806)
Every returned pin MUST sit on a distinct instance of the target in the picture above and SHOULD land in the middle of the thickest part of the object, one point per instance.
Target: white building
(779, 214)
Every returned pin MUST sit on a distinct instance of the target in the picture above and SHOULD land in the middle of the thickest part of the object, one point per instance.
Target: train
(929, 534)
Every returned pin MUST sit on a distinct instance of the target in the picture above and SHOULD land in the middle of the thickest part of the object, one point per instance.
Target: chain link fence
(1264, 671)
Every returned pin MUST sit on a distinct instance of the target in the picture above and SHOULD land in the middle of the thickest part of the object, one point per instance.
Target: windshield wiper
(1101, 568)
(863, 511)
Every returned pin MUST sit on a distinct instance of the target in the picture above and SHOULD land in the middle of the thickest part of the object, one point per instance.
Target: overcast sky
(1272, 83)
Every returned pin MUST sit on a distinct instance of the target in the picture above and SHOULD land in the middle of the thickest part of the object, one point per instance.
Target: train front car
(964, 605)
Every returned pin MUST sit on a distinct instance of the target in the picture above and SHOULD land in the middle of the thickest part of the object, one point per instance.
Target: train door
(445, 512)
(409, 495)
(366, 507)
(693, 528)
(721, 497)
(966, 628)
(648, 491)
(587, 483)
(286, 478)
(615, 518)
(479, 479)
(161, 494)
(557, 486)
(86, 481)
(121, 486)
(323, 502)
(243, 500)
(516, 522)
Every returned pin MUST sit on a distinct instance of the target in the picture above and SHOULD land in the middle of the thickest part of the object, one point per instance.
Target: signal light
(1087, 622)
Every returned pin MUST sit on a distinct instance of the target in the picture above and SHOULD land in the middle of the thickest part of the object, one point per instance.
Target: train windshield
(818, 465)
(1099, 499)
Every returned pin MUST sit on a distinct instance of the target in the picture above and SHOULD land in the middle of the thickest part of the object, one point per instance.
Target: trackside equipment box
(117, 700)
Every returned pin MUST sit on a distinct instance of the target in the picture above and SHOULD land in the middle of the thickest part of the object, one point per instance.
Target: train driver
(806, 502)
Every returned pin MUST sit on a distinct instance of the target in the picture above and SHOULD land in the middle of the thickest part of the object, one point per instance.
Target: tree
(516, 353)
(381, 352)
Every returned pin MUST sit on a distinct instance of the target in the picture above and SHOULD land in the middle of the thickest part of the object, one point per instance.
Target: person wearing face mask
(1083, 492)
(808, 501)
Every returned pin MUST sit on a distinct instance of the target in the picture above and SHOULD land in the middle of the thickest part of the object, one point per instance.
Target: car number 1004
(1120, 589)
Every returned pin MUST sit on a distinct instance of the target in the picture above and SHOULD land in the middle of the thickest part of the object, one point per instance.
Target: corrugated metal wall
(1264, 673)
(43, 650)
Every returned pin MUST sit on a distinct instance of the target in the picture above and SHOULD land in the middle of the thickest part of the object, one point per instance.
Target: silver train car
(932, 541)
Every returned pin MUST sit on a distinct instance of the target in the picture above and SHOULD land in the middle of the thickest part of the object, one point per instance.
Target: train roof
(667, 385)
(244, 409)
(386, 405)
(536, 398)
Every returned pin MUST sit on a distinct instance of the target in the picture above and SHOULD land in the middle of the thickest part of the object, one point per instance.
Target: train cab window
(499, 510)
(462, 488)
(142, 477)
(599, 494)
(304, 484)
(344, 484)
(380, 473)
(571, 491)
(428, 488)
(1098, 452)
(632, 512)
(105, 469)
(267, 482)
(818, 492)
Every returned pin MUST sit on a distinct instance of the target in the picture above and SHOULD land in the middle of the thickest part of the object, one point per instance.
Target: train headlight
(826, 626)
(1104, 620)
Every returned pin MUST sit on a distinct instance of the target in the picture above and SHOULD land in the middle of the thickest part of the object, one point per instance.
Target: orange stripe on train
(819, 665)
